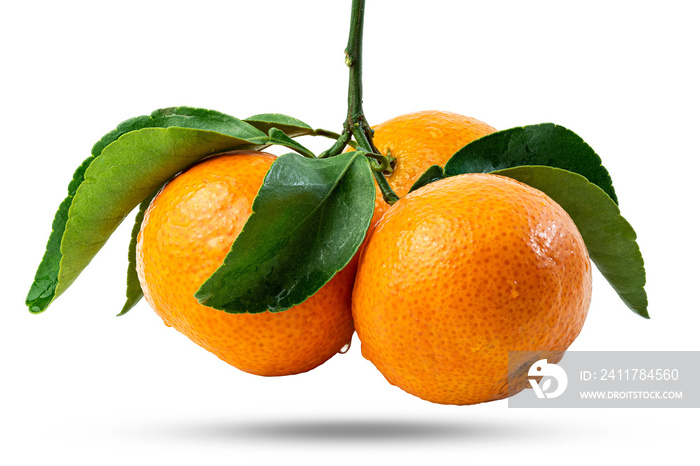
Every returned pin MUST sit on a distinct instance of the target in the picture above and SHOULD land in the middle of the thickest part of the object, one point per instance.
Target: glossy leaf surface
(309, 218)
(544, 144)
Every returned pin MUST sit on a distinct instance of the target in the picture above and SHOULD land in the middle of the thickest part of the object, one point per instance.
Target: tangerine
(187, 231)
(470, 268)
(418, 140)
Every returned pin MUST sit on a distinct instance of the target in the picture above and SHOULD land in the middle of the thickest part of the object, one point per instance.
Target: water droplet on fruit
(345, 348)
(514, 290)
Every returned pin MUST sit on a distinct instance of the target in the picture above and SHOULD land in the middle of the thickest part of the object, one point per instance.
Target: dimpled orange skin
(460, 272)
(186, 233)
(417, 141)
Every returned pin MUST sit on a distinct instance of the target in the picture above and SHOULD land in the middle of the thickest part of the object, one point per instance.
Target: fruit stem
(325, 133)
(390, 197)
(337, 147)
(353, 59)
(356, 123)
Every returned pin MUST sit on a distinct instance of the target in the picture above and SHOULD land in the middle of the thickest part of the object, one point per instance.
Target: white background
(79, 384)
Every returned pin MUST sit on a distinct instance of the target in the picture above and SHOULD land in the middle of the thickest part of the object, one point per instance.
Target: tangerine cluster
(448, 280)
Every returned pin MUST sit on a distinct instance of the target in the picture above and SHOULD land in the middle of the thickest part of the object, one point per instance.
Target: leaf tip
(129, 305)
(37, 302)
(34, 309)
(432, 174)
(202, 295)
(642, 312)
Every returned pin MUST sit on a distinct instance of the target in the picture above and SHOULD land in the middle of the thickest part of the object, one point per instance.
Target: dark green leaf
(545, 144)
(134, 293)
(309, 218)
(126, 165)
(42, 290)
(610, 239)
(290, 126)
(433, 173)
(278, 137)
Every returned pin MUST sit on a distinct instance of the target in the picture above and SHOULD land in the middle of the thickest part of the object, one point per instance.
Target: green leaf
(309, 219)
(278, 137)
(127, 165)
(42, 291)
(118, 180)
(545, 144)
(182, 117)
(134, 293)
(610, 239)
(433, 173)
(288, 125)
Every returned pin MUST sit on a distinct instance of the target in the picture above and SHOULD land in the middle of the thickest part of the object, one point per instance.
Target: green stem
(363, 141)
(337, 147)
(356, 123)
(353, 59)
(326, 133)
(390, 197)
(382, 164)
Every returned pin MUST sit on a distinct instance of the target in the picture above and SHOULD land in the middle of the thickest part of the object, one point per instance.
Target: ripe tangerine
(459, 273)
(418, 140)
(187, 231)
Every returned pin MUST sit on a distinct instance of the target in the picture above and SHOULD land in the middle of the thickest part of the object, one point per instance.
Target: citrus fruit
(417, 141)
(462, 271)
(187, 231)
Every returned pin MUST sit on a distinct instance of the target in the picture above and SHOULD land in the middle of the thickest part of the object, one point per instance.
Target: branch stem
(356, 123)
